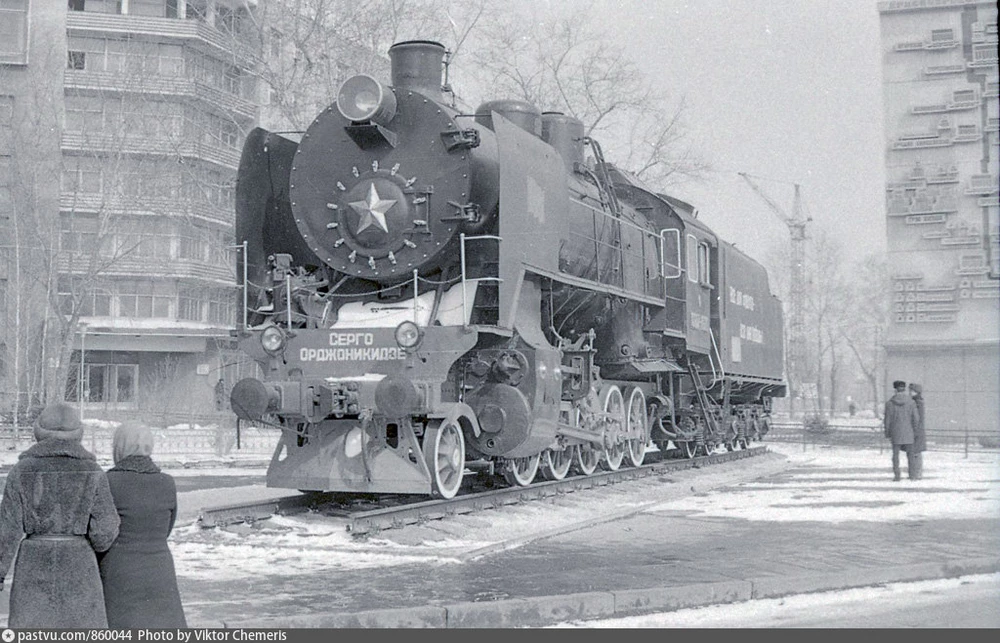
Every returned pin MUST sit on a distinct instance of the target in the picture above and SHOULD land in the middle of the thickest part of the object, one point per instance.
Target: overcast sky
(789, 89)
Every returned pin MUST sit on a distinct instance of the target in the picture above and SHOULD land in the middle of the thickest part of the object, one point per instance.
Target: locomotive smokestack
(417, 65)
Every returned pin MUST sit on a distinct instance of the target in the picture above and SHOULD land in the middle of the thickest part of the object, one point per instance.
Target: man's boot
(895, 475)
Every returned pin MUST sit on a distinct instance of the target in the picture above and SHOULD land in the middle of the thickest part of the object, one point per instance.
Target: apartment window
(13, 31)
(81, 176)
(78, 234)
(6, 125)
(942, 35)
(191, 248)
(76, 60)
(103, 6)
(189, 306)
(197, 10)
(85, 114)
(6, 188)
(232, 80)
(152, 8)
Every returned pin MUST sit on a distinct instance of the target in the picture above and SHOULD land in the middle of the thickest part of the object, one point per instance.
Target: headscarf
(60, 421)
(130, 440)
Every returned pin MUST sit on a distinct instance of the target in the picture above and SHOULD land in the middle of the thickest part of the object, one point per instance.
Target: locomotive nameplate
(376, 345)
(367, 353)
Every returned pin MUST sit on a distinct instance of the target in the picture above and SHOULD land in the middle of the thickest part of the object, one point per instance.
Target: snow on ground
(772, 612)
(838, 484)
(823, 484)
(303, 544)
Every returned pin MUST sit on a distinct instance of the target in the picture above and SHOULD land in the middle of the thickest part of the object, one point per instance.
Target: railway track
(398, 511)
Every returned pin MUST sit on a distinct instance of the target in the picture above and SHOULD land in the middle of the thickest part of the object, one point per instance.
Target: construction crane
(796, 223)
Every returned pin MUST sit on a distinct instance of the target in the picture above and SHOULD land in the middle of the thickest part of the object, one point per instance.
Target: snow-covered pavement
(890, 605)
(828, 485)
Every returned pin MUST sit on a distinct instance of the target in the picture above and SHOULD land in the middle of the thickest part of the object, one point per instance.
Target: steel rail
(375, 520)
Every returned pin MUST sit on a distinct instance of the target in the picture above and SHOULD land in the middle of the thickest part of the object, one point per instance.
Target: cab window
(670, 253)
(703, 268)
(692, 258)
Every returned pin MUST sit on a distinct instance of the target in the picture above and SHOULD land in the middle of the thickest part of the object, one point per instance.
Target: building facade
(125, 124)
(940, 80)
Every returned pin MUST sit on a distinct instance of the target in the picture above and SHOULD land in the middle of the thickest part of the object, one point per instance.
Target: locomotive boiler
(429, 292)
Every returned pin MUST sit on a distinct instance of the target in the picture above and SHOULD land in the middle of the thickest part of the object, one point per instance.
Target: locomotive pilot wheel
(444, 453)
(521, 471)
(556, 464)
(635, 448)
(614, 405)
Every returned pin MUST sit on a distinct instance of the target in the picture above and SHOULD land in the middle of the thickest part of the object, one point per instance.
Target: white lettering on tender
(741, 298)
(751, 334)
(370, 354)
(352, 339)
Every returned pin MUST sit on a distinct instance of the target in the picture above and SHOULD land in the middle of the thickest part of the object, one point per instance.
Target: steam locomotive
(430, 292)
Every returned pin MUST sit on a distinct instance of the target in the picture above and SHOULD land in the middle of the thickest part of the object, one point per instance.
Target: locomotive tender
(429, 291)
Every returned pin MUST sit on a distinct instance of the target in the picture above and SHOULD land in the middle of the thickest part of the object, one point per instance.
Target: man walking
(901, 416)
(916, 450)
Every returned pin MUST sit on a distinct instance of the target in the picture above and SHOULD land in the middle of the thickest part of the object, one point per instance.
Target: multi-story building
(939, 65)
(130, 115)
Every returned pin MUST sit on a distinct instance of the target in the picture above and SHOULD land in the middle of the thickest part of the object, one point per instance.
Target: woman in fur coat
(140, 586)
(58, 500)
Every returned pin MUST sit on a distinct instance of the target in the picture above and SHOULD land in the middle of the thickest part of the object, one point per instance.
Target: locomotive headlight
(362, 98)
(272, 339)
(408, 335)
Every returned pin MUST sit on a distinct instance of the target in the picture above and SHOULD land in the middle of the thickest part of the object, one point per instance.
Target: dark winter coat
(58, 498)
(900, 418)
(140, 585)
(919, 432)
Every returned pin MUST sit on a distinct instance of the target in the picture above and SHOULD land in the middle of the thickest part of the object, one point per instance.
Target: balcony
(180, 87)
(950, 106)
(135, 266)
(135, 145)
(926, 45)
(982, 184)
(942, 176)
(195, 31)
(922, 204)
(909, 143)
(983, 56)
(940, 70)
(159, 206)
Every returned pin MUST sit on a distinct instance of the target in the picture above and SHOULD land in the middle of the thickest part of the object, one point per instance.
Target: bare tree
(869, 309)
(568, 64)
(825, 309)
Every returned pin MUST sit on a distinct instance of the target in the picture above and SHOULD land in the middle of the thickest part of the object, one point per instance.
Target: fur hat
(916, 388)
(60, 421)
(899, 385)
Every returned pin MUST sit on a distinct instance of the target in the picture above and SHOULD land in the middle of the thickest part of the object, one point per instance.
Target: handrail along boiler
(429, 291)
